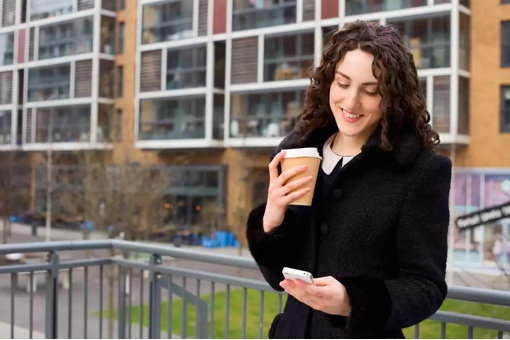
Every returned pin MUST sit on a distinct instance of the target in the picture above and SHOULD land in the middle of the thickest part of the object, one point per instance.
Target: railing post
(51, 329)
(155, 298)
(122, 305)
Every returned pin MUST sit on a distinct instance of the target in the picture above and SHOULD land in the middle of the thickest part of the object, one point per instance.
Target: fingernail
(310, 179)
(303, 167)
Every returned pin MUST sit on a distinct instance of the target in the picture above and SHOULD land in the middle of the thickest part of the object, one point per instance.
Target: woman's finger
(273, 166)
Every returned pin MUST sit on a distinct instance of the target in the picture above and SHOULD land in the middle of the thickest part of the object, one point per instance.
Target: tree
(14, 188)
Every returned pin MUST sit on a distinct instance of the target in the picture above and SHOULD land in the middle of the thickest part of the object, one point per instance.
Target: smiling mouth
(351, 115)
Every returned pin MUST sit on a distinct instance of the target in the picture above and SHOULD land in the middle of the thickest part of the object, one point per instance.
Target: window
(107, 35)
(270, 114)
(186, 67)
(121, 37)
(172, 119)
(464, 41)
(49, 83)
(466, 3)
(66, 38)
(288, 57)
(249, 14)
(441, 106)
(356, 7)
(505, 2)
(118, 126)
(428, 40)
(196, 197)
(6, 49)
(5, 127)
(505, 44)
(463, 120)
(63, 124)
(122, 5)
(167, 21)
(42, 9)
(120, 81)
(110, 5)
(505, 109)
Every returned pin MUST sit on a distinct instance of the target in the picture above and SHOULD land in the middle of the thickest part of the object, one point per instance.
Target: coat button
(324, 228)
(337, 194)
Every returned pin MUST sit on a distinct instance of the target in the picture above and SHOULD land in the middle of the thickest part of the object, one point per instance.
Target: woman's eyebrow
(349, 78)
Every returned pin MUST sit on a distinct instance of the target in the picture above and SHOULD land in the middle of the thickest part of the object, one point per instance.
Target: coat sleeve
(419, 288)
(272, 251)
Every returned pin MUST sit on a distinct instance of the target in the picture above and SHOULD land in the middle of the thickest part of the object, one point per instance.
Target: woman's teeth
(352, 116)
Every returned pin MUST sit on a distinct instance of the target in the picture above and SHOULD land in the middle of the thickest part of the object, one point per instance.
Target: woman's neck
(347, 145)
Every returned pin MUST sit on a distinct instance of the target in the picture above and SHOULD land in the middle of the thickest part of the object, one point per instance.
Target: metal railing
(112, 287)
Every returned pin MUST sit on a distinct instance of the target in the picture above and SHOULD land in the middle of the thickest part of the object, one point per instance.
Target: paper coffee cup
(298, 157)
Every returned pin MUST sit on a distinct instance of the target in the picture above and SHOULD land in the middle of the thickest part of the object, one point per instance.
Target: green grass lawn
(428, 329)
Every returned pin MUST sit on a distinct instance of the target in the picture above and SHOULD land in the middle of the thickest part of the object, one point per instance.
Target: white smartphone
(293, 274)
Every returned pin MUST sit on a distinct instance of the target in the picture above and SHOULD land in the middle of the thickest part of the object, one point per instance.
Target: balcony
(259, 14)
(44, 9)
(262, 119)
(119, 289)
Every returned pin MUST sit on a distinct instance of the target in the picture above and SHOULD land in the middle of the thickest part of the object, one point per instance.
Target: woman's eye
(344, 86)
(371, 93)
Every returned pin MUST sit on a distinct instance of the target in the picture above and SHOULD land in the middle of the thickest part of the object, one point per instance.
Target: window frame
(194, 70)
(505, 45)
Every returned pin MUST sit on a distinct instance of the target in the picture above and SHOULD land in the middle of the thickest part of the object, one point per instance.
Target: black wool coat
(382, 233)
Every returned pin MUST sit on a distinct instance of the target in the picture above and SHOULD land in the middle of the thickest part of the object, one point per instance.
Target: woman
(375, 237)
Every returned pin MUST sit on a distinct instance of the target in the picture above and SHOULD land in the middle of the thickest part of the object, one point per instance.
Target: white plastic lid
(302, 152)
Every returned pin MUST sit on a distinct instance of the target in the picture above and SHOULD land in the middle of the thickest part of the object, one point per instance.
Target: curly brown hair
(402, 102)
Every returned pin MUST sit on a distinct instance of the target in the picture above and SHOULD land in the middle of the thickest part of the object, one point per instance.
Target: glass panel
(505, 44)
(42, 9)
(66, 38)
(441, 109)
(66, 124)
(428, 40)
(272, 114)
(186, 68)
(505, 109)
(219, 64)
(466, 3)
(327, 32)
(5, 127)
(438, 2)
(218, 116)
(49, 83)
(108, 35)
(355, 7)
(249, 14)
(6, 49)
(423, 84)
(110, 5)
(167, 21)
(288, 57)
(463, 106)
(171, 119)
(464, 44)
(104, 123)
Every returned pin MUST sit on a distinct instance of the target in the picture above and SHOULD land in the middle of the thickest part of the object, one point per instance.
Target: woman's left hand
(328, 295)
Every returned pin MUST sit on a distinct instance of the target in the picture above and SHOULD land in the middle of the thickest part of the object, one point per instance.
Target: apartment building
(220, 82)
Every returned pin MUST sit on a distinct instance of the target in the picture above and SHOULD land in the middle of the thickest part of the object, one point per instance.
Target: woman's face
(353, 96)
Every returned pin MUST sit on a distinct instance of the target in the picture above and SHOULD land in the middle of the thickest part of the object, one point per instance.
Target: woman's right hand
(279, 193)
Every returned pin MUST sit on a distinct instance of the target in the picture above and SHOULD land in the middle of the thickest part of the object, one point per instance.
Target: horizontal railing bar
(84, 263)
(24, 268)
(186, 254)
(472, 320)
(493, 297)
(201, 275)
(33, 247)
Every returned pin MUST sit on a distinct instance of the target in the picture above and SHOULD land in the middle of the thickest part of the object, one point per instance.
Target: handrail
(495, 297)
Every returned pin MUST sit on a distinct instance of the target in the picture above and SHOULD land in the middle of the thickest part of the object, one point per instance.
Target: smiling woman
(375, 235)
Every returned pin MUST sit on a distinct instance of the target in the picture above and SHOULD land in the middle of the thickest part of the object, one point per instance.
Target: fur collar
(406, 146)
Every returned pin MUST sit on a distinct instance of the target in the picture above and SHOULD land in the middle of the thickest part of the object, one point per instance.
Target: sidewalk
(75, 235)
(19, 332)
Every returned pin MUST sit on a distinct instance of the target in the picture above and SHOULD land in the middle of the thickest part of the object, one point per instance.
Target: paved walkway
(19, 332)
